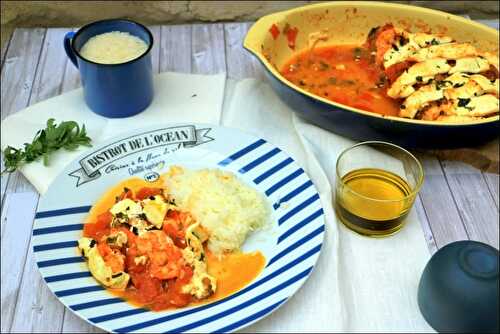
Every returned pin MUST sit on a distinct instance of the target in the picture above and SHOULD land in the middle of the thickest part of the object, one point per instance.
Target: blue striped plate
(291, 245)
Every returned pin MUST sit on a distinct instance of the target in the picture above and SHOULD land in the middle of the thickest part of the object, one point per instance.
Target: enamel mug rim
(80, 30)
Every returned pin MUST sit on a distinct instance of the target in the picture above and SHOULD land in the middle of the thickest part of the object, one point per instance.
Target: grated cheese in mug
(113, 47)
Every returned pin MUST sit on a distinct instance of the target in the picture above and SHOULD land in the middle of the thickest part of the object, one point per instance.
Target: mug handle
(68, 48)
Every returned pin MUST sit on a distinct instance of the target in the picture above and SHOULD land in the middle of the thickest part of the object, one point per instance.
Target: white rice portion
(227, 208)
(113, 47)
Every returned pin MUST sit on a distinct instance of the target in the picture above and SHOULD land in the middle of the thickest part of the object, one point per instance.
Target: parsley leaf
(463, 102)
(67, 135)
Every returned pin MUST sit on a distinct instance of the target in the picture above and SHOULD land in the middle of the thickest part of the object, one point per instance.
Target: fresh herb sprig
(68, 135)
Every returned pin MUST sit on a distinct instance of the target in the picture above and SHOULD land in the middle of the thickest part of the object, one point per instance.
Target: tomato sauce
(346, 74)
(232, 271)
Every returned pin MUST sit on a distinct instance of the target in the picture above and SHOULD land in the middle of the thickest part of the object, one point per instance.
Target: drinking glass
(376, 186)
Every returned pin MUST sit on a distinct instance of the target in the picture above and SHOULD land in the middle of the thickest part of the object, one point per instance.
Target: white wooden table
(457, 201)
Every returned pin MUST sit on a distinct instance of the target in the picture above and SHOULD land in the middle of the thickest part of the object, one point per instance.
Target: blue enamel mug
(113, 90)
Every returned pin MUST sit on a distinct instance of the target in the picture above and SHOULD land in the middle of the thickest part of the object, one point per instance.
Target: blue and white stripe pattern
(299, 231)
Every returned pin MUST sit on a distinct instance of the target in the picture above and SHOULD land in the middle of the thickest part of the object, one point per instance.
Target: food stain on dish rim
(228, 270)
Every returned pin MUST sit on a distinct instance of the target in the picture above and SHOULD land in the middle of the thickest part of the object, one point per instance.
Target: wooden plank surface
(426, 226)
(207, 47)
(493, 180)
(175, 48)
(17, 221)
(240, 63)
(41, 309)
(71, 75)
(47, 83)
(19, 69)
(440, 208)
(155, 51)
(18, 73)
(456, 202)
(474, 201)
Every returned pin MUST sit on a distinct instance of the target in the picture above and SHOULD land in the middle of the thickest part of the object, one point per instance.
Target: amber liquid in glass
(373, 202)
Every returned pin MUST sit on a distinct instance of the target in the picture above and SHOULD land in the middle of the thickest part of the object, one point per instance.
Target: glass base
(372, 233)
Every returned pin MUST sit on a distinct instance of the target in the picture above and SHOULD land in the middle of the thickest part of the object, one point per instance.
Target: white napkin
(359, 283)
(178, 98)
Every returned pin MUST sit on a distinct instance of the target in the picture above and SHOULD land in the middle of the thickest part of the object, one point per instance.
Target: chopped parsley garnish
(357, 53)
(92, 243)
(332, 80)
(442, 84)
(68, 135)
(434, 41)
(111, 240)
(458, 84)
(403, 41)
(402, 106)
(419, 78)
(323, 66)
(463, 102)
(382, 80)
(348, 82)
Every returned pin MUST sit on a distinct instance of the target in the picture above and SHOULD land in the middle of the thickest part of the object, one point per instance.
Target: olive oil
(373, 202)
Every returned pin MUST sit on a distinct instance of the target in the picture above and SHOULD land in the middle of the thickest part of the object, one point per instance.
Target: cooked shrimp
(112, 257)
(384, 42)
(165, 259)
(175, 225)
(167, 270)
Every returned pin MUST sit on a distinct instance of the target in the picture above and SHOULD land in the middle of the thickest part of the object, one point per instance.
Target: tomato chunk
(130, 235)
(173, 231)
(364, 105)
(147, 287)
(291, 36)
(366, 96)
(275, 31)
(100, 227)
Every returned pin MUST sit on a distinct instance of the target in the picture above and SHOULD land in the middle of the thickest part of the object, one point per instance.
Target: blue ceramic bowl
(348, 22)
(458, 291)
